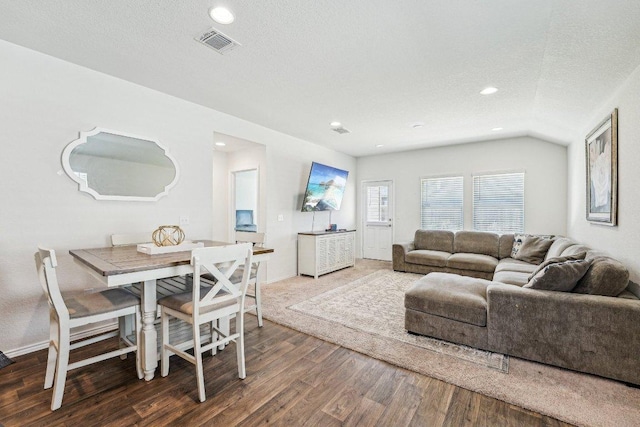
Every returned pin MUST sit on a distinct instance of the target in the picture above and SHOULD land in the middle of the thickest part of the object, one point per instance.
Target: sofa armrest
(398, 254)
(589, 333)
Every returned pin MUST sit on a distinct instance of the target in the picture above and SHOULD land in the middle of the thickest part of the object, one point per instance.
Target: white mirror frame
(82, 185)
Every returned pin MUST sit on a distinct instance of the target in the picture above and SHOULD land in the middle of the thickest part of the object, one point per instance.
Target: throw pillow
(556, 260)
(533, 249)
(606, 276)
(561, 277)
(517, 243)
(518, 239)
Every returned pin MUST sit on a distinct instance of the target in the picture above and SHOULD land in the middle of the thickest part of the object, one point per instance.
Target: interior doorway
(241, 202)
(245, 187)
(377, 238)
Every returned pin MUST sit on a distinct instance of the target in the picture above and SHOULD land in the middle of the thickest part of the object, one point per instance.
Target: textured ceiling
(376, 66)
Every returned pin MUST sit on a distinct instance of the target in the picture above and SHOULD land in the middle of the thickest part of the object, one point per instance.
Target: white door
(377, 239)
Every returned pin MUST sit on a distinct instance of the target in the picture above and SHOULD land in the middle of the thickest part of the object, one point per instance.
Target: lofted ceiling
(376, 66)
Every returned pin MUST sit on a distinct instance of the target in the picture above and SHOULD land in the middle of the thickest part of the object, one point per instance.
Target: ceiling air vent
(340, 130)
(217, 41)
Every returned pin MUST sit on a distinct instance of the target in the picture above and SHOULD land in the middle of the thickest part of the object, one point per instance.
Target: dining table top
(114, 260)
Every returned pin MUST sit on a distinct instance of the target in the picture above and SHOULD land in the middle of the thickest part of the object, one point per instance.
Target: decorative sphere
(168, 235)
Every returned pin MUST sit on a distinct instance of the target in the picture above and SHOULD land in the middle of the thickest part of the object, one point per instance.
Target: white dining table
(124, 265)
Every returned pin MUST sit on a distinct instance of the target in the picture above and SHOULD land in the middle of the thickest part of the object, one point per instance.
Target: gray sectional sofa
(477, 292)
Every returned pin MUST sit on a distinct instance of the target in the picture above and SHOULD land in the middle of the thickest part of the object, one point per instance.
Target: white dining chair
(257, 239)
(69, 310)
(208, 305)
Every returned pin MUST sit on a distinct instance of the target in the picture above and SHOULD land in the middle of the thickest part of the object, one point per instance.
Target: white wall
(544, 163)
(46, 102)
(622, 242)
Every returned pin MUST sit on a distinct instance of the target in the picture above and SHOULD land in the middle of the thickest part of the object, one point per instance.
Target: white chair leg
(53, 352)
(214, 335)
(223, 325)
(197, 353)
(240, 344)
(138, 320)
(165, 340)
(122, 329)
(258, 303)
(61, 366)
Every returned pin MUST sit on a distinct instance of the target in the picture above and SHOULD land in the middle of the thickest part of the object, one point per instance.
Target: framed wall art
(602, 171)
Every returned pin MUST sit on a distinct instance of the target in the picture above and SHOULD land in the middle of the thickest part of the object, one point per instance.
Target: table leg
(149, 334)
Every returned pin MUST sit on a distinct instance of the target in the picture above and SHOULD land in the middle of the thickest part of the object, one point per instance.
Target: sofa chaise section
(592, 327)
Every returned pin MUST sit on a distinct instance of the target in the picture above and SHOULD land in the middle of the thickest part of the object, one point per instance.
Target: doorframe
(232, 199)
(363, 204)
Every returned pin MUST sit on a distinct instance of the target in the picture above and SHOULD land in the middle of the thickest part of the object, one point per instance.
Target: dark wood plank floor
(292, 380)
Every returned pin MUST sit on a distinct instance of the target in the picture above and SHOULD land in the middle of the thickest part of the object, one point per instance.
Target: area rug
(569, 396)
(374, 304)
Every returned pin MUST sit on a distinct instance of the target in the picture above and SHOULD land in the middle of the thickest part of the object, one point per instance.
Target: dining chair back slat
(130, 239)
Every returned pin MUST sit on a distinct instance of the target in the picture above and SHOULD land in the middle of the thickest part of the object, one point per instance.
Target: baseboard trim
(21, 351)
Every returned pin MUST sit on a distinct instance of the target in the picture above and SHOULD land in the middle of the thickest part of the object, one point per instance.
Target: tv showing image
(325, 188)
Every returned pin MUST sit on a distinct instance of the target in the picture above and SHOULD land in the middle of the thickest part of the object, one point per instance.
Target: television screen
(325, 188)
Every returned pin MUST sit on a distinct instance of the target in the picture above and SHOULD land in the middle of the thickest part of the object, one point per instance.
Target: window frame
(473, 198)
(462, 201)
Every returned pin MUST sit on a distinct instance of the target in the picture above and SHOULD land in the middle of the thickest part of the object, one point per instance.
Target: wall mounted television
(325, 188)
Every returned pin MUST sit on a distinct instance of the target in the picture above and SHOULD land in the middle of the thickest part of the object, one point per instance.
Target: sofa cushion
(434, 240)
(510, 264)
(505, 245)
(559, 245)
(475, 262)
(450, 296)
(517, 278)
(425, 257)
(476, 242)
(606, 276)
(533, 249)
(561, 276)
(627, 295)
(574, 249)
(556, 260)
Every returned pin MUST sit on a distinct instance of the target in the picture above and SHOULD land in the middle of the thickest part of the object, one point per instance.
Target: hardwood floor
(292, 380)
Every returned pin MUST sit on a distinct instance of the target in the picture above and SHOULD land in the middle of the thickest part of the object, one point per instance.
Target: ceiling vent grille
(341, 130)
(217, 41)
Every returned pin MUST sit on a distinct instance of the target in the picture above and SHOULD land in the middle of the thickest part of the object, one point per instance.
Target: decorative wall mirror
(113, 165)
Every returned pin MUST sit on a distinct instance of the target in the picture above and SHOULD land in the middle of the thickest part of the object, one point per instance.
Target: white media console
(321, 252)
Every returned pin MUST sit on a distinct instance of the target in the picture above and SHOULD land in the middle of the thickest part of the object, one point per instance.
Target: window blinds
(377, 204)
(498, 203)
(441, 203)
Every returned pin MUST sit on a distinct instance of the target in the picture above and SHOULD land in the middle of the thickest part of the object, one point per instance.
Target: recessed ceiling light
(379, 145)
(488, 90)
(335, 124)
(220, 144)
(221, 15)
(496, 129)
